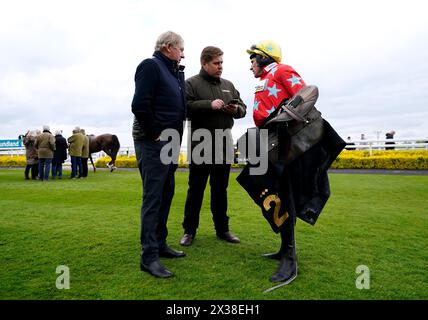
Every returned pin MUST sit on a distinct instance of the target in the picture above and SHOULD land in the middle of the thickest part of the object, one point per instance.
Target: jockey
(277, 81)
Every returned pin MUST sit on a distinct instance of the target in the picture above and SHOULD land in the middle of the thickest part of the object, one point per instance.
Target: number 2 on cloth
(277, 203)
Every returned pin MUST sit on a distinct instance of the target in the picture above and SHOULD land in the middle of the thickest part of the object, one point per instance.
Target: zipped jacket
(159, 98)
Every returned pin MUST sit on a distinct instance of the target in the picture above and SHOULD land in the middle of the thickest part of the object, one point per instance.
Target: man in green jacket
(212, 104)
(85, 153)
(45, 145)
(75, 150)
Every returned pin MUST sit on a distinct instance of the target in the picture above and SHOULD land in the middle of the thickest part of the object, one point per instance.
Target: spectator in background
(75, 150)
(45, 144)
(350, 143)
(390, 135)
(31, 155)
(60, 155)
(363, 137)
(85, 153)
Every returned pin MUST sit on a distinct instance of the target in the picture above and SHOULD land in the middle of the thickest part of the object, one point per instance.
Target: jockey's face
(257, 71)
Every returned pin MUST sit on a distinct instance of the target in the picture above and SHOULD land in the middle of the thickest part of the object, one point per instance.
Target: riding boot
(287, 268)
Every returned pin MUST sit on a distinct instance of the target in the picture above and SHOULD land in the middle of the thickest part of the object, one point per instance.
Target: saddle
(297, 124)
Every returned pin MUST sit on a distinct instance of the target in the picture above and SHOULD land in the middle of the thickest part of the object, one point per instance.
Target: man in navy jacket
(158, 104)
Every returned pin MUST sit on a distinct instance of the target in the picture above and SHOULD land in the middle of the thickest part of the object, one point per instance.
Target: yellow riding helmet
(267, 48)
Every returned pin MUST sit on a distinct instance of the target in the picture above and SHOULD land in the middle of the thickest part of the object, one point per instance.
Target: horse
(109, 143)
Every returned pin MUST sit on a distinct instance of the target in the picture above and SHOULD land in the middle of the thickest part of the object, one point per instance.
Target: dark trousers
(76, 164)
(34, 171)
(44, 168)
(56, 169)
(84, 167)
(158, 191)
(219, 180)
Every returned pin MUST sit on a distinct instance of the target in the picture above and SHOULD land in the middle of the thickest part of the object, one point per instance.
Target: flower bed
(13, 161)
(391, 159)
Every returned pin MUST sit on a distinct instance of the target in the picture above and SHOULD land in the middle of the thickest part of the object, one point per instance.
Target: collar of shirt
(270, 67)
(267, 69)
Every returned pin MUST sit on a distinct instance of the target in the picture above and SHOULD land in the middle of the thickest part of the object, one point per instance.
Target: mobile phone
(233, 101)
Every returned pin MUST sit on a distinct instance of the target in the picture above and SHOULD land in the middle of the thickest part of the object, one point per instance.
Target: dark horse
(109, 143)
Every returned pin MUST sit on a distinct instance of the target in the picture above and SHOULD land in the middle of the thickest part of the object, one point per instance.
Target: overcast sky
(72, 63)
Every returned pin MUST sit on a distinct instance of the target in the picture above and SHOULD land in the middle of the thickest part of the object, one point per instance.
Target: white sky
(72, 63)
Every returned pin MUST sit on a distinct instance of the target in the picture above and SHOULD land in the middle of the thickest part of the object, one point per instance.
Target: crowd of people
(46, 153)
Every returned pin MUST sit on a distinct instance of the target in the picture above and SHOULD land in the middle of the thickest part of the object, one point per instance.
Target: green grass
(92, 226)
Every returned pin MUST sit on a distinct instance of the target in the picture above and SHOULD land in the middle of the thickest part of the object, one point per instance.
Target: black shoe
(167, 252)
(156, 269)
(187, 240)
(229, 237)
(287, 268)
(274, 256)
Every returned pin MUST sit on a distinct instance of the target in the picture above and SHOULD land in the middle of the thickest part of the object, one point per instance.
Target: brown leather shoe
(187, 240)
(229, 237)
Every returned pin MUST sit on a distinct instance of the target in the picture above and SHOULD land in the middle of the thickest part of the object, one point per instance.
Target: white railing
(404, 144)
(388, 144)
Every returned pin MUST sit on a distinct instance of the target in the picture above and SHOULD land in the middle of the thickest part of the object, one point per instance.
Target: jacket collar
(172, 65)
(207, 77)
(268, 68)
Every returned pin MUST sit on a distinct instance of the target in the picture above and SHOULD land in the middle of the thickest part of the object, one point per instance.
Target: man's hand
(217, 104)
(231, 108)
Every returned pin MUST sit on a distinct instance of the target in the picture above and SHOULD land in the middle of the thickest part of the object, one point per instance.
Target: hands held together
(231, 107)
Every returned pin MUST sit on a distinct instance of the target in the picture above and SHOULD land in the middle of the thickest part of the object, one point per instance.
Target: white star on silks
(273, 71)
(256, 105)
(271, 110)
(273, 91)
(294, 80)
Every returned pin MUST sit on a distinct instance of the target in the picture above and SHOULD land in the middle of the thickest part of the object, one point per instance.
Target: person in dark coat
(60, 155)
(213, 103)
(388, 136)
(158, 104)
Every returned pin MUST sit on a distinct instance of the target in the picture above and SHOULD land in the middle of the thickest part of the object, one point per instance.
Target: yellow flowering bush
(131, 162)
(13, 161)
(382, 159)
(386, 159)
